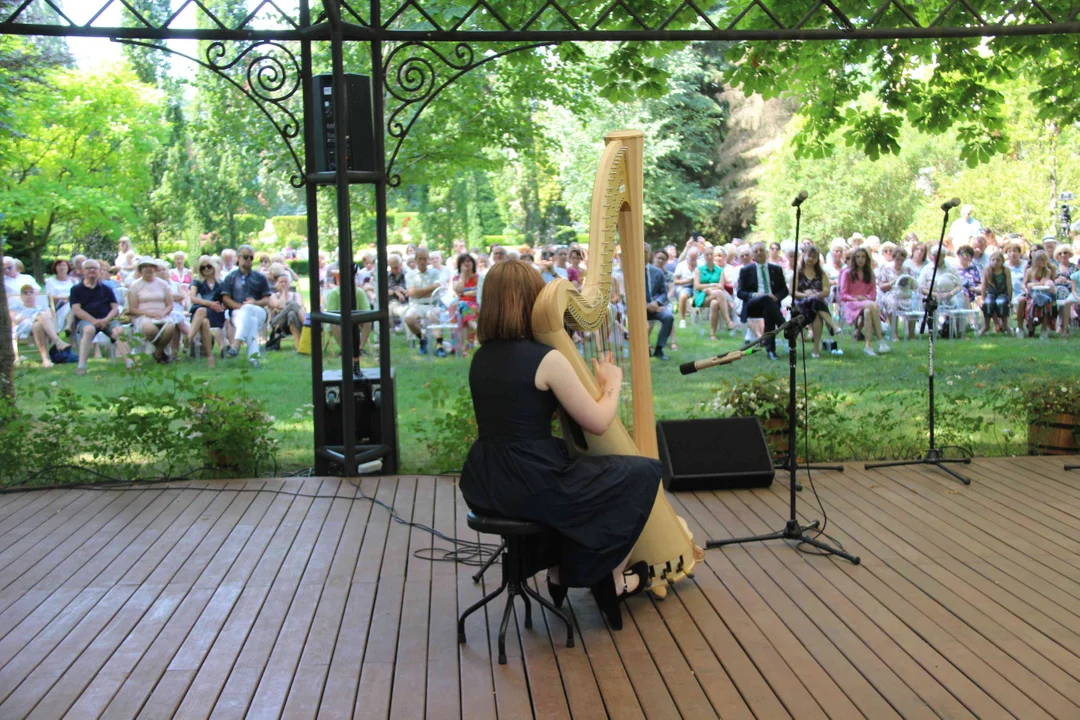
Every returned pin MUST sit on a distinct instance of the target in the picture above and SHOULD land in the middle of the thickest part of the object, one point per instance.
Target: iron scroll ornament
(270, 79)
(414, 73)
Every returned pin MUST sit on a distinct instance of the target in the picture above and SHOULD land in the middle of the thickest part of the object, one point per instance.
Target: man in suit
(761, 288)
(656, 299)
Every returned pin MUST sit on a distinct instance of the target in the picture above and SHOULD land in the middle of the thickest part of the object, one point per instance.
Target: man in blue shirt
(656, 299)
(246, 293)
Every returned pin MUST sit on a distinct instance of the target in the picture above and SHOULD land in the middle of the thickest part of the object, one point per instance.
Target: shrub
(166, 426)
(289, 228)
(448, 427)
(300, 267)
(249, 225)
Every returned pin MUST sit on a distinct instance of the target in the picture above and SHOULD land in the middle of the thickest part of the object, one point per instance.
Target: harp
(665, 543)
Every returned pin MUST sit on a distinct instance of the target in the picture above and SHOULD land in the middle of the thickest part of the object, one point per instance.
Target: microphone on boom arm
(799, 199)
(950, 204)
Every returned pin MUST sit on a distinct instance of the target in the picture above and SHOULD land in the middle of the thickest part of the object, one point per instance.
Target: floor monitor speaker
(722, 454)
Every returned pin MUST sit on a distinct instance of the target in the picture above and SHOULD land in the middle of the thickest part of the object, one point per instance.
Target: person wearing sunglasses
(246, 293)
(207, 307)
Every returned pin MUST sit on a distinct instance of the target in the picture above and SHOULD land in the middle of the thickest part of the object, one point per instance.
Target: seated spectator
(996, 290)
(857, 297)
(397, 292)
(1017, 265)
(656, 299)
(709, 292)
(333, 305)
(207, 307)
(762, 288)
(278, 263)
(811, 290)
(948, 287)
(15, 279)
(31, 319)
(896, 295)
(323, 273)
(128, 271)
(94, 307)
(916, 258)
(58, 288)
(246, 293)
(575, 273)
(179, 273)
(228, 262)
(124, 251)
(1041, 293)
(150, 304)
(776, 255)
(970, 274)
(420, 284)
(77, 267)
(684, 282)
(1063, 281)
(466, 308)
(287, 310)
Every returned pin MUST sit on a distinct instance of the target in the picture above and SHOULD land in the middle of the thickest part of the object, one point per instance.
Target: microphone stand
(794, 283)
(933, 456)
(793, 530)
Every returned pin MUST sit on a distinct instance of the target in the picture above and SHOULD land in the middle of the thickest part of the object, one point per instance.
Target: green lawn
(966, 369)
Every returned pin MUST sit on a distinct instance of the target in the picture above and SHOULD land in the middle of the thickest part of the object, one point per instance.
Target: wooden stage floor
(189, 603)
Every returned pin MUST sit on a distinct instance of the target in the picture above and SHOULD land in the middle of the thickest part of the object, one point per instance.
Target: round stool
(516, 535)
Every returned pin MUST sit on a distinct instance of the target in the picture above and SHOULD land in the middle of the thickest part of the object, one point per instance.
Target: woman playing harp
(598, 505)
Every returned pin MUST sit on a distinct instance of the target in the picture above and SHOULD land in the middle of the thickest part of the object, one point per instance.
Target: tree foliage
(936, 86)
(80, 155)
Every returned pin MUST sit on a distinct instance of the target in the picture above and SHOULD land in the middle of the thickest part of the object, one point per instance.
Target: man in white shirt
(419, 286)
(684, 282)
(965, 228)
(14, 280)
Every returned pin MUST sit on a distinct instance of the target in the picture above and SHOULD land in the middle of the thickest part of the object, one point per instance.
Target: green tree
(79, 155)
(934, 85)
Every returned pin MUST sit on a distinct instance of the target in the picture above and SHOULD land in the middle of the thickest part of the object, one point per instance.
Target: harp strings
(612, 337)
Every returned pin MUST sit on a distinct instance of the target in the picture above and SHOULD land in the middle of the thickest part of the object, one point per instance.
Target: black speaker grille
(714, 453)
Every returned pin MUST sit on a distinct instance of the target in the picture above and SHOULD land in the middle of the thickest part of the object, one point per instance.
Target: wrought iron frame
(413, 70)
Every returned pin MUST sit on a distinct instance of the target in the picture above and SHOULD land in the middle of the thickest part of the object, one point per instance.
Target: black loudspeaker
(368, 398)
(720, 454)
(360, 138)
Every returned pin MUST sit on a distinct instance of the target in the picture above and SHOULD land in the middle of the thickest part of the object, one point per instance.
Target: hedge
(300, 267)
(248, 225)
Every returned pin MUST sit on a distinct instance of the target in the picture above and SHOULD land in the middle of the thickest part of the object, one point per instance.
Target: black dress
(597, 504)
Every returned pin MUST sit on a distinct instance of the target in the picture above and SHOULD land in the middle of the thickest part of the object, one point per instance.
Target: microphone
(800, 197)
(950, 204)
(694, 365)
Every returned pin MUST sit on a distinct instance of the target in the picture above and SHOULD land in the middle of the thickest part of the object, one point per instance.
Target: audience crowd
(873, 289)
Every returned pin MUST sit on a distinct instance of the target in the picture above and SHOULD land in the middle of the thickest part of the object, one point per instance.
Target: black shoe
(607, 599)
(772, 355)
(658, 353)
(423, 346)
(557, 592)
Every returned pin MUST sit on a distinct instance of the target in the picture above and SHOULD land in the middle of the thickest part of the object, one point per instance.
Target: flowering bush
(763, 396)
(1039, 398)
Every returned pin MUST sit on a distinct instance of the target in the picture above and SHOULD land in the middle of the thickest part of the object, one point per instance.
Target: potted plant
(1051, 408)
(762, 396)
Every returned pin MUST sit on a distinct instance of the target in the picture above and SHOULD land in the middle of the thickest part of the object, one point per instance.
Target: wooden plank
(28, 518)
(905, 581)
(377, 670)
(119, 664)
(273, 689)
(443, 675)
(252, 575)
(411, 660)
(474, 655)
(17, 507)
(344, 652)
(239, 689)
(560, 686)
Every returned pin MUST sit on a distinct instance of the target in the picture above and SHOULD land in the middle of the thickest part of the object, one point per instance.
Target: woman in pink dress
(857, 294)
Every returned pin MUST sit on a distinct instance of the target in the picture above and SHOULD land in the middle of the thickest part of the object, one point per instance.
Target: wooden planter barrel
(1054, 435)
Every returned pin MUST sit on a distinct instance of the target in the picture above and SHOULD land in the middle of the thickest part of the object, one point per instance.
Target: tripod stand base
(933, 457)
(1072, 467)
(792, 531)
(833, 468)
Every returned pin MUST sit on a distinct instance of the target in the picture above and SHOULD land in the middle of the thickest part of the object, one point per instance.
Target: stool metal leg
(528, 609)
(487, 563)
(476, 606)
(505, 621)
(561, 615)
